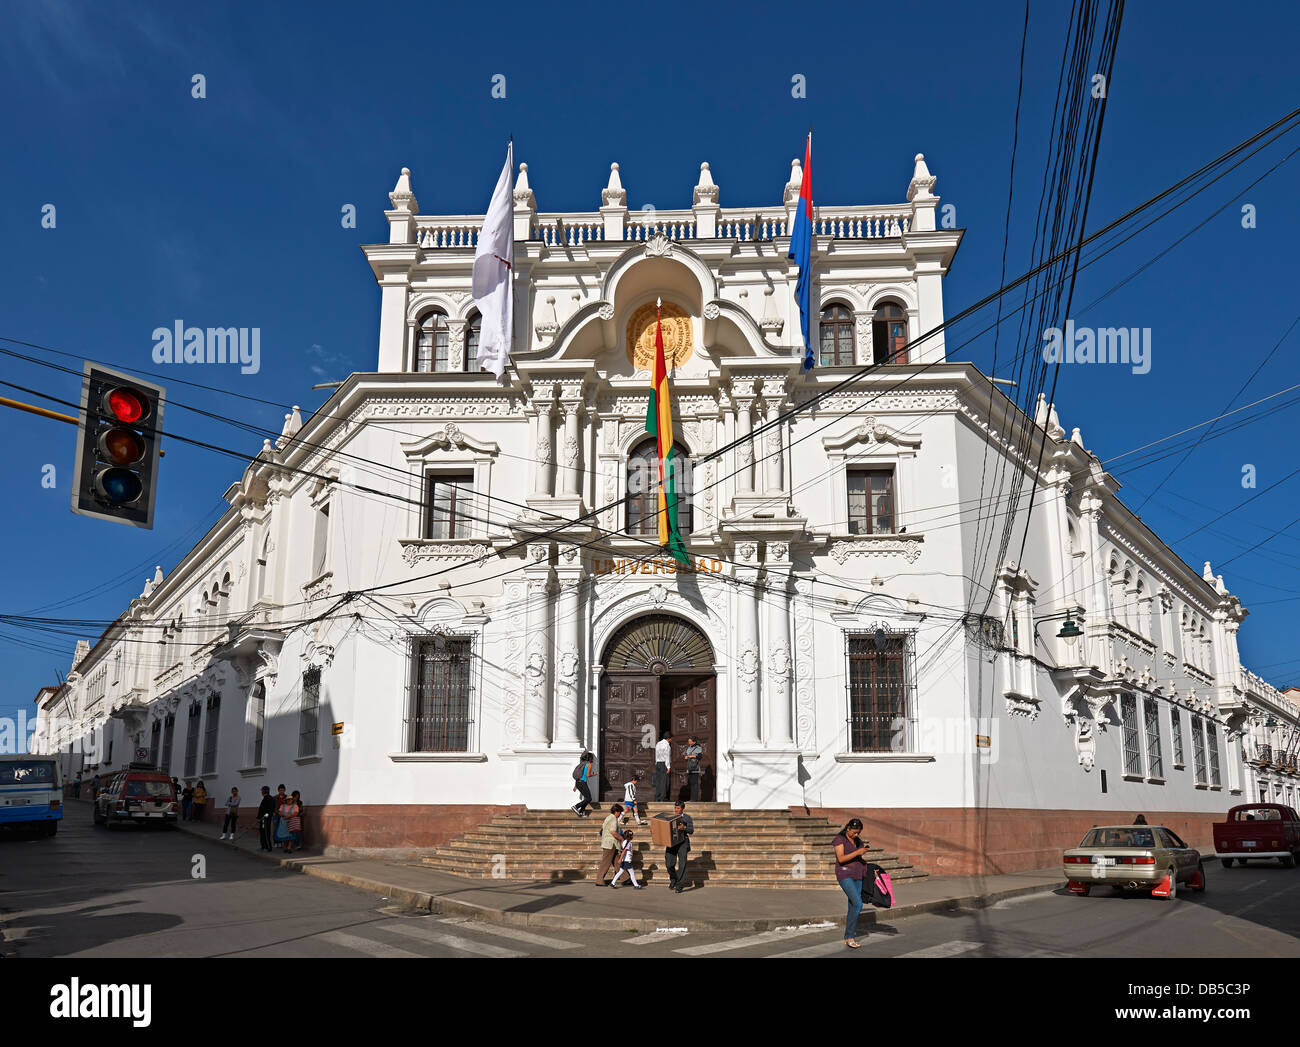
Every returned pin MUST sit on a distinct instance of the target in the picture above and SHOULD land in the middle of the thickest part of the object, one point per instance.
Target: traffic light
(117, 447)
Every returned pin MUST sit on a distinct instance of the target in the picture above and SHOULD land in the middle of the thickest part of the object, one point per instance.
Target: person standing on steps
(663, 766)
(694, 755)
(581, 785)
(677, 853)
(609, 843)
(850, 870)
(630, 806)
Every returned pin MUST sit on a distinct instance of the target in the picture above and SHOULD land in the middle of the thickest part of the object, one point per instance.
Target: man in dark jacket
(265, 815)
(677, 853)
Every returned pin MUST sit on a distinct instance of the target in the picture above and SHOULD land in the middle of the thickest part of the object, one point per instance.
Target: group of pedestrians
(279, 820)
(617, 845)
(194, 800)
(692, 754)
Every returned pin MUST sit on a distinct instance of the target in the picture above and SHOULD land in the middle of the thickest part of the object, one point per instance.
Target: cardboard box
(661, 830)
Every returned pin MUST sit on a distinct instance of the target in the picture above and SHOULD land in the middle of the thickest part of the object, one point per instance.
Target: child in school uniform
(625, 863)
(629, 799)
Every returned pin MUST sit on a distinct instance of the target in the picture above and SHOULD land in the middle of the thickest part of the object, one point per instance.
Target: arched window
(836, 335)
(432, 343)
(471, 343)
(889, 334)
(643, 488)
(223, 602)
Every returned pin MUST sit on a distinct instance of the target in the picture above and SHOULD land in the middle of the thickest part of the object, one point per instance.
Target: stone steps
(735, 848)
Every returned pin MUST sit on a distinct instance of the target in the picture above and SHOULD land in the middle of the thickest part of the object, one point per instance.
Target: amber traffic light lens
(126, 405)
(121, 446)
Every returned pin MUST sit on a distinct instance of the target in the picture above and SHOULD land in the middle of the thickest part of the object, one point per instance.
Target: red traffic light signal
(117, 447)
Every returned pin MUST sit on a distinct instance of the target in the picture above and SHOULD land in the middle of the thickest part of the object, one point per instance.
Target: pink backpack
(882, 890)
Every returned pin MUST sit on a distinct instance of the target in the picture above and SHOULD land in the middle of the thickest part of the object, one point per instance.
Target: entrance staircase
(731, 848)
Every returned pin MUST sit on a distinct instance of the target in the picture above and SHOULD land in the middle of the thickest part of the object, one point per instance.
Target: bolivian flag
(659, 423)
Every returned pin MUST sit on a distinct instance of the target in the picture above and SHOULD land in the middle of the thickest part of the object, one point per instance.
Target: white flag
(493, 285)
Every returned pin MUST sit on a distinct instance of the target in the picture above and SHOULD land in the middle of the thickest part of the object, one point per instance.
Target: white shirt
(629, 792)
(664, 753)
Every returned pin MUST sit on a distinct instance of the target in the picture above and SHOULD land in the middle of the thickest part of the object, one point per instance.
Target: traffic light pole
(6, 402)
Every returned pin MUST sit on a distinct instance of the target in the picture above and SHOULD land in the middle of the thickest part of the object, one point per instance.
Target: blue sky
(225, 211)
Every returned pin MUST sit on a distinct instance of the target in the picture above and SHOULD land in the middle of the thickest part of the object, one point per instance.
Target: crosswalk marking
(1046, 954)
(754, 939)
(450, 941)
(655, 936)
(370, 948)
(946, 949)
(512, 933)
(825, 948)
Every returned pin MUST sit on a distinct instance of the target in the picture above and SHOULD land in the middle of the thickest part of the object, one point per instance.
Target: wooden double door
(636, 709)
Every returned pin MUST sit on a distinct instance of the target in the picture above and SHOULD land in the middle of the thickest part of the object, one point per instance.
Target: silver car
(1133, 858)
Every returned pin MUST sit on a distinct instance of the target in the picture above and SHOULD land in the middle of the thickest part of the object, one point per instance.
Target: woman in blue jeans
(850, 869)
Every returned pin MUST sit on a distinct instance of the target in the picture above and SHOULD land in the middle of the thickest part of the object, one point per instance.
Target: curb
(443, 905)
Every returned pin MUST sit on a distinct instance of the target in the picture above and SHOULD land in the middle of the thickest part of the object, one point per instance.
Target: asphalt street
(95, 892)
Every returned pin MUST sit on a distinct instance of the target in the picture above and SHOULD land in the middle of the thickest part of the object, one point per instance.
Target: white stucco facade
(997, 711)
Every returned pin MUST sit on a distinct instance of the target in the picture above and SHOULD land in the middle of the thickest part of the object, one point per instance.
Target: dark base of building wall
(962, 842)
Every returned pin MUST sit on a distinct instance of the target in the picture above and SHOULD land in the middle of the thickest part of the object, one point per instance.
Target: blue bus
(31, 793)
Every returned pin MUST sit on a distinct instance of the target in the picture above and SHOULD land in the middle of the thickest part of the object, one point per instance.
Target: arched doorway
(657, 675)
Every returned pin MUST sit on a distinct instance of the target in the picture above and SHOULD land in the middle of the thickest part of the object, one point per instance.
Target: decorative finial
(614, 195)
(705, 190)
(402, 196)
(919, 188)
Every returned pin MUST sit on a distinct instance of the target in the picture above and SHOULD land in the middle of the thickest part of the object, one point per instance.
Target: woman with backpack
(581, 778)
(850, 872)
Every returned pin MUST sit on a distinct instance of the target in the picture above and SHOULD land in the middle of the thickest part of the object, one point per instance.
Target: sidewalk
(582, 906)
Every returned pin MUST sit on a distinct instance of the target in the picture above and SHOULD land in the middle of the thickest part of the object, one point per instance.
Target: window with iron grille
(155, 740)
(192, 739)
(258, 721)
(1198, 751)
(441, 711)
(1212, 747)
(1155, 758)
(210, 734)
(1176, 721)
(309, 713)
(169, 733)
(878, 695)
(871, 501)
(1132, 741)
(448, 505)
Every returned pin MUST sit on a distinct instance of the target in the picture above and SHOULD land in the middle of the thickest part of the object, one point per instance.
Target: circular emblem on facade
(658, 666)
(679, 344)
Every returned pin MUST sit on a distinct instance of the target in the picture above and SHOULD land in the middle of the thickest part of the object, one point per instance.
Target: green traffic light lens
(119, 486)
(121, 446)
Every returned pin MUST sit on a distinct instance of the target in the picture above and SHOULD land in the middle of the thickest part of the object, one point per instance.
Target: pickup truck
(1258, 830)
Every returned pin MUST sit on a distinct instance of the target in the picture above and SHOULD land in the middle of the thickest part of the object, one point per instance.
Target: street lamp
(1070, 632)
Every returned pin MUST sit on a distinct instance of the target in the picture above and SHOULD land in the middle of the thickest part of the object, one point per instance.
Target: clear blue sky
(225, 212)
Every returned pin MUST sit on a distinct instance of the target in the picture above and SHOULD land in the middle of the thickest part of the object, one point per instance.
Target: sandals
(852, 943)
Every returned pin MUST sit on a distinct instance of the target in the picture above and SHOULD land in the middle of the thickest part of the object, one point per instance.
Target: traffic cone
(1197, 882)
(1162, 889)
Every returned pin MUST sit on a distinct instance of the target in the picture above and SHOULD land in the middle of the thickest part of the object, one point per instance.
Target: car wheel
(1288, 862)
(1227, 863)
(1173, 883)
(51, 827)
(1241, 862)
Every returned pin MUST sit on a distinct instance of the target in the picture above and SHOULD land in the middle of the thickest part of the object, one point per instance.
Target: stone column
(542, 445)
(747, 651)
(780, 722)
(537, 647)
(568, 656)
(745, 447)
(571, 450)
(772, 450)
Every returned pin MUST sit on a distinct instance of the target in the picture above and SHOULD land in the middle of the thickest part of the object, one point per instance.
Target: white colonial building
(429, 598)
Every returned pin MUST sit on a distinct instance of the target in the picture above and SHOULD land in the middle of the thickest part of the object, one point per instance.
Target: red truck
(1258, 830)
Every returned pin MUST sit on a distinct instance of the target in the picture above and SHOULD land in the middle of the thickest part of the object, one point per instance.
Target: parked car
(1134, 858)
(140, 794)
(1258, 830)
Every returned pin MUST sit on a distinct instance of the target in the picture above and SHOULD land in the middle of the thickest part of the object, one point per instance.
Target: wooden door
(629, 729)
(692, 713)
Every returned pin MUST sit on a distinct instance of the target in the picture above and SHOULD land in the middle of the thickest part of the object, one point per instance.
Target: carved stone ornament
(747, 668)
(658, 594)
(678, 335)
(571, 452)
(567, 666)
(778, 660)
(658, 246)
(778, 551)
(711, 311)
(1021, 705)
(420, 551)
(607, 311)
(871, 432)
(746, 551)
(907, 546)
(569, 553)
(319, 655)
(539, 552)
